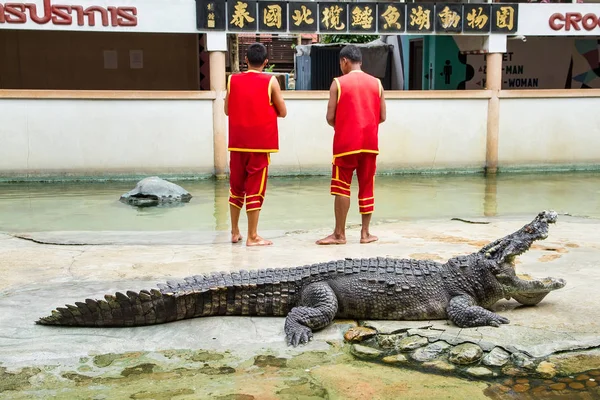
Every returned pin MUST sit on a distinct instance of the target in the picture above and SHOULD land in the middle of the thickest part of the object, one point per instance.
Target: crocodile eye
(502, 268)
(493, 267)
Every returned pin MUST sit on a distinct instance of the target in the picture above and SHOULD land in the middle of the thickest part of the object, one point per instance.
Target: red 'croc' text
(574, 21)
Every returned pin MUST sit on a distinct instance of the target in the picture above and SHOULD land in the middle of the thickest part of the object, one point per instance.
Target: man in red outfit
(355, 110)
(253, 103)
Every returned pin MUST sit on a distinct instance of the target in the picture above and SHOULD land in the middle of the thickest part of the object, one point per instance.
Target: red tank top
(357, 114)
(252, 117)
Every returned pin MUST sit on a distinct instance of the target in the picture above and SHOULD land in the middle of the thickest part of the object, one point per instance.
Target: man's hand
(226, 105)
(382, 109)
(277, 98)
(332, 105)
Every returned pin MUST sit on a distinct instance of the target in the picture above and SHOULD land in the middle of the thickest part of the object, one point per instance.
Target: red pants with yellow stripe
(341, 178)
(248, 179)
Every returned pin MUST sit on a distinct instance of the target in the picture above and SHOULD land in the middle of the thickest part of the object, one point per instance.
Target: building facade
(123, 88)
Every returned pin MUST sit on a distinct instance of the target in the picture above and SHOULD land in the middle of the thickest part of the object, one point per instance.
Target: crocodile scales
(312, 296)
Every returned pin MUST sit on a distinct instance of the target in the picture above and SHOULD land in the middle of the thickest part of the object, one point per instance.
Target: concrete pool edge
(68, 177)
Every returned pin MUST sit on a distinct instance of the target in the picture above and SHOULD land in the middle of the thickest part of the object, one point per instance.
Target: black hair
(257, 54)
(352, 53)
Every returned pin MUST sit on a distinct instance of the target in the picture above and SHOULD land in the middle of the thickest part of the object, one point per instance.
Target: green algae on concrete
(16, 380)
(208, 370)
(79, 378)
(203, 356)
(104, 360)
(164, 395)
(145, 368)
(172, 374)
(359, 380)
(270, 361)
(310, 359)
(235, 397)
(303, 390)
(576, 362)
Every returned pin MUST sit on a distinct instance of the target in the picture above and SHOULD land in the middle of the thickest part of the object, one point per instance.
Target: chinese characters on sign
(361, 17)
(448, 18)
(504, 18)
(272, 16)
(419, 17)
(303, 17)
(241, 15)
(477, 18)
(210, 15)
(333, 17)
(392, 17)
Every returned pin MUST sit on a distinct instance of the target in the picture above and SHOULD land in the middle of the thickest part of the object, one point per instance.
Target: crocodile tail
(131, 309)
(219, 293)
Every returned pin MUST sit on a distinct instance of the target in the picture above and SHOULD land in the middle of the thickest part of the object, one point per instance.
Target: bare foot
(236, 238)
(332, 239)
(368, 239)
(258, 241)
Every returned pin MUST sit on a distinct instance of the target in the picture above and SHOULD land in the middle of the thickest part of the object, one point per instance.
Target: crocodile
(310, 297)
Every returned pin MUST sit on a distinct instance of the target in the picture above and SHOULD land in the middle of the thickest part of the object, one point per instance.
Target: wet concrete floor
(244, 358)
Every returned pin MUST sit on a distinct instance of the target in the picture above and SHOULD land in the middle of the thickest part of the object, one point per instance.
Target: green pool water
(296, 203)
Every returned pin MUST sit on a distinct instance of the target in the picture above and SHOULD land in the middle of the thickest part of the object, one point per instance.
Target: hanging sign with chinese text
(272, 16)
(333, 17)
(362, 18)
(210, 15)
(449, 18)
(356, 18)
(504, 18)
(303, 17)
(419, 17)
(392, 17)
(241, 16)
(477, 18)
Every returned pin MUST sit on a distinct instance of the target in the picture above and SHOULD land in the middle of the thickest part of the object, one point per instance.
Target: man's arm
(226, 106)
(332, 105)
(382, 110)
(277, 98)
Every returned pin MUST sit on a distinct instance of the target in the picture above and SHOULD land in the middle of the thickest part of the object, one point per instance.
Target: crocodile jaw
(505, 250)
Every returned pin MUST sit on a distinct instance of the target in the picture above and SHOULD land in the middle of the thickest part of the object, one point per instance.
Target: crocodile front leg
(465, 313)
(318, 306)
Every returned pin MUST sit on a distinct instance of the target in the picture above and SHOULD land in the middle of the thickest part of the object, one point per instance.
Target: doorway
(415, 69)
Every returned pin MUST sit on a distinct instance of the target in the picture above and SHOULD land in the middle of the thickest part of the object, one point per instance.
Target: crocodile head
(500, 258)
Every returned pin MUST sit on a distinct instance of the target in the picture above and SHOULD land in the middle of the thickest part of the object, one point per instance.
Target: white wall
(305, 139)
(105, 137)
(421, 134)
(139, 136)
(433, 134)
(549, 131)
